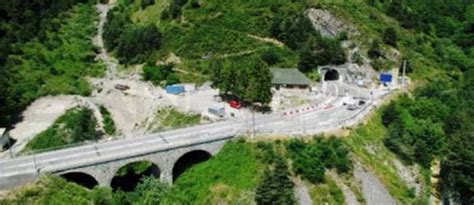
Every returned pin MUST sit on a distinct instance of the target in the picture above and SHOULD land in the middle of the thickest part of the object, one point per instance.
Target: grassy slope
(50, 191)
(171, 118)
(326, 193)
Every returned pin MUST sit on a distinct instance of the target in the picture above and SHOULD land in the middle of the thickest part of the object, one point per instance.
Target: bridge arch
(188, 160)
(81, 178)
(127, 177)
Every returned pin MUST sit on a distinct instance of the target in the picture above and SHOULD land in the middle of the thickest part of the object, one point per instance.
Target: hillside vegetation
(434, 122)
(46, 50)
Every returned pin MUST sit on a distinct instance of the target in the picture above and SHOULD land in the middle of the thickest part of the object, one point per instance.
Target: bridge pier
(166, 176)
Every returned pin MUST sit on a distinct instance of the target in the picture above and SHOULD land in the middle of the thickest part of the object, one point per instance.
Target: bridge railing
(102, 140)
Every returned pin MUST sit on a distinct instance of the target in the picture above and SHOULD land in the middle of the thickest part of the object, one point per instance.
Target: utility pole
(403, 72)
(304, 124)
(10, 146)
(34, 162)
(253, 120)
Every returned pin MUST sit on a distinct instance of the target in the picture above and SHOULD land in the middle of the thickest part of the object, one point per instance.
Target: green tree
(276, 187)
(390, 36)
(250, 81)
(117, 23)
(259, 84)
(270, 57)
(375, 50)
(137, 44)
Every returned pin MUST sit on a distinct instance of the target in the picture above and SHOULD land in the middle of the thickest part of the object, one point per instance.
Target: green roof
(283, 76)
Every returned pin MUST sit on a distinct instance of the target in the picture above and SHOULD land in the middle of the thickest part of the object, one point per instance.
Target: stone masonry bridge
(170, 152)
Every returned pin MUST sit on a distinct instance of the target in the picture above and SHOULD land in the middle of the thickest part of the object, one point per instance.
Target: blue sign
(386, 78)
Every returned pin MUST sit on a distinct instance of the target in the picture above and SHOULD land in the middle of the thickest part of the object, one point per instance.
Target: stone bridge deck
(162, 149)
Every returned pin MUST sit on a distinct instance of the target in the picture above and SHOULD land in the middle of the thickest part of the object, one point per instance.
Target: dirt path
(111, 63)
(267, 40)
(302, 192)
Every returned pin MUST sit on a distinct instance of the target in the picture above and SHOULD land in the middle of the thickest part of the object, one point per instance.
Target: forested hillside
(46, 48)
(437, 121)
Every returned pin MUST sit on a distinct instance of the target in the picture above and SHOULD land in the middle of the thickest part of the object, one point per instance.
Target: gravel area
(372, 188)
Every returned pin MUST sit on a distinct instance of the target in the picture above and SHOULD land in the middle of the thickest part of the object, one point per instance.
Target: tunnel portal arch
(331, 75)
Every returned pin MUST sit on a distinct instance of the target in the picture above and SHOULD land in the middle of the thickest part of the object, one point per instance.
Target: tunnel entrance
(188, 160)
(82, 179)
(331, 75)
(130, 175)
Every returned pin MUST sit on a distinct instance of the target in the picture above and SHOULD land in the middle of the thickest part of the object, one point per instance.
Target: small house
(289, 78)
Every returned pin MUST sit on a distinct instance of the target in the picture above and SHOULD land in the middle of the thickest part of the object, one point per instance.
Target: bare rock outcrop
(328, 24)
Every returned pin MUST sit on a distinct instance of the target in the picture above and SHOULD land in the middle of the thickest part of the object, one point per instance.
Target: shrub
(108, 122)
(390, 37)
(77, 125)
(175, 8)
(195, 4)
(146, 3)
(160, 75)
(375, 50)
(270, 57)
(310, 160)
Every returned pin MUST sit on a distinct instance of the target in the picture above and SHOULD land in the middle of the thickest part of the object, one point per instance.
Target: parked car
(235, 104)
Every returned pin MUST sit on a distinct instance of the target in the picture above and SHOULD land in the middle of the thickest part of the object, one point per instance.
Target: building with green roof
(289, 78)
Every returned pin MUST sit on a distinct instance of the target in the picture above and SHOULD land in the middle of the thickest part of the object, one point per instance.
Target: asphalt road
(321, 118)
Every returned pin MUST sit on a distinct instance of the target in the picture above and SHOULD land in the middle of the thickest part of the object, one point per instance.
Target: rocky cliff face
(329, 25)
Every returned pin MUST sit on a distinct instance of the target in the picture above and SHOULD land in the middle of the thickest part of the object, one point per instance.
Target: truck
(217, 111)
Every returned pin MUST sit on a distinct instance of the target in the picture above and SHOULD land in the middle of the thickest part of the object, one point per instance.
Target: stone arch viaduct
(101, 161)
(166, 161)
